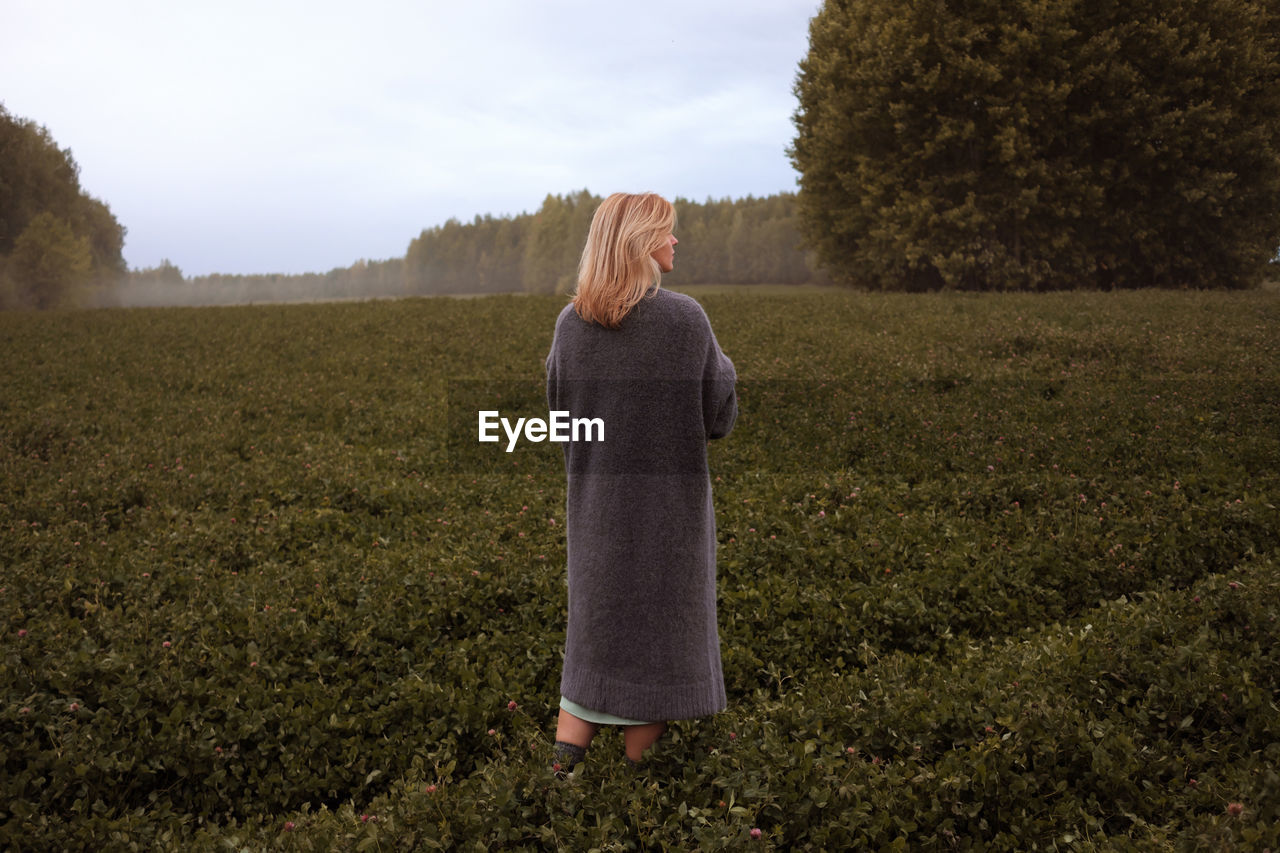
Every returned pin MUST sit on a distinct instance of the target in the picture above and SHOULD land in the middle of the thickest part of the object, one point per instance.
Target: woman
(642, 646)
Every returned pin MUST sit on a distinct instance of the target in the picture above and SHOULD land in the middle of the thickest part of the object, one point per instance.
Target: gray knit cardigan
(642, 641)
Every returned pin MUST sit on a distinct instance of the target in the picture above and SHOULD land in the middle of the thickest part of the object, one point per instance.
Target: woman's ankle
(566, 756)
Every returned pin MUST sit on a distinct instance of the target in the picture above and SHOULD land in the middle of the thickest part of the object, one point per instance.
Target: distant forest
(745, 241)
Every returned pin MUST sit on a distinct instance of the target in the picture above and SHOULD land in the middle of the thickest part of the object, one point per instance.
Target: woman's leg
(639, 738)
(573, 736)
(571, 729)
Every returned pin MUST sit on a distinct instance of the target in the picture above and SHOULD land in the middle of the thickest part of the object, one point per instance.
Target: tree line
(744, 241)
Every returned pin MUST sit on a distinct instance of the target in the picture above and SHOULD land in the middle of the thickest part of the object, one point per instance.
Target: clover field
(996, 572)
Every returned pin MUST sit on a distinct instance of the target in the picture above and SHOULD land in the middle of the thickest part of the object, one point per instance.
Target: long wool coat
(642, 641)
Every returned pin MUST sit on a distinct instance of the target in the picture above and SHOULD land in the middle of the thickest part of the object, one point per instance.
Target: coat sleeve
(553, 395)
(719, 392)
(551, 385)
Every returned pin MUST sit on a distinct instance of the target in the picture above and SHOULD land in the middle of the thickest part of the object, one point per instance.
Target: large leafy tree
(41, 199)
(1041, 144)
(49, 262)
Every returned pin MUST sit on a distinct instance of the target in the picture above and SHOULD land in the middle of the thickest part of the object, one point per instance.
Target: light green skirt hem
(598, 717)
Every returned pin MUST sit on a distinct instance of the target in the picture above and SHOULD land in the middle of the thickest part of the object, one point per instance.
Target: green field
(996, 573)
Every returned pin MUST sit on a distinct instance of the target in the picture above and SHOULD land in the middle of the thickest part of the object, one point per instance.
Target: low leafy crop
(995, 573)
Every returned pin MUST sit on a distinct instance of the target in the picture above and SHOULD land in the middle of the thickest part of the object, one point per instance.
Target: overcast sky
(265, 136)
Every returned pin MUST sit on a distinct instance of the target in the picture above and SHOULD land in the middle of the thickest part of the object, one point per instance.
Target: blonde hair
(617, 266)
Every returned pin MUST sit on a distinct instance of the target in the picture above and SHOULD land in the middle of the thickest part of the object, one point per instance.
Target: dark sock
(568, 755)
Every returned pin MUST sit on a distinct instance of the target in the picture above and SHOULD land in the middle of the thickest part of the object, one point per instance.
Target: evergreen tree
(1037, 144)
(556, 236)
(748, 241)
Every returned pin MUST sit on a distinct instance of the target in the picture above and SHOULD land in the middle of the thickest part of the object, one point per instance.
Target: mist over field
(251, 290)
